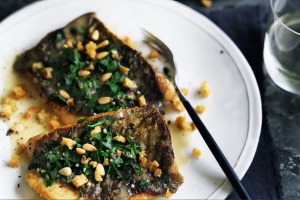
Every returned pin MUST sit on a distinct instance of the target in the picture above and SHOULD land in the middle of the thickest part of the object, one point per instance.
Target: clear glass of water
(282, 45)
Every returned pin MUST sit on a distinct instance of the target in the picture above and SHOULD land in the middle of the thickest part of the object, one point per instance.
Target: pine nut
(100, 168)
(95, 35)
(102, 55)
(64, 94)
(83, 73)
(70, 102)
(98, 176)
(66, 171)
(105, 77)
(89, 147)
(80, 151)
(103, 44)
(120, 138)
(123, 69)
(104, 100)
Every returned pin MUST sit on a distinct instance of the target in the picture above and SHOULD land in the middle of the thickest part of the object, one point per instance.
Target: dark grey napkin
(246, 25)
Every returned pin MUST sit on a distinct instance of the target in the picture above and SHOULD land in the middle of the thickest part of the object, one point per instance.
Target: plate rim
(254, 98)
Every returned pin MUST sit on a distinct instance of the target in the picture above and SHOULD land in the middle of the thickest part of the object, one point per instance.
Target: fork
(164, 50)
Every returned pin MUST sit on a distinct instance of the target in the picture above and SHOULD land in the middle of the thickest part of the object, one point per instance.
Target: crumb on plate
(205, 89)
(196, 153)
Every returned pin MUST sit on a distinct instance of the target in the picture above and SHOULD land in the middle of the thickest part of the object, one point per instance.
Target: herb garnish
(86, 90)
(52, 156)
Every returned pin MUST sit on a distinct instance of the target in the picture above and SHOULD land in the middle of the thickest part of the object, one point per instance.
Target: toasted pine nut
(80, 151)
(128, 83)
(104, 100)
(89, 147)
(105, 77)
(97, 176)
(66, 171)
(116, 56)
(102, 55)
(70, 102)
(100, 168)
(120, 138)
(64, 94)
(83, 73)
(123, 69)
(95, 35)
(103, 44)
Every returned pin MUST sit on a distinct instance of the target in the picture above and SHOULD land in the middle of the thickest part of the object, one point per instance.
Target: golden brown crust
(55, 191)
(36, 181)
(60, 191)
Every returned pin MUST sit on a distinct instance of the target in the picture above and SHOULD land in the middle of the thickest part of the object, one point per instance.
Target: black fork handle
(216, 151)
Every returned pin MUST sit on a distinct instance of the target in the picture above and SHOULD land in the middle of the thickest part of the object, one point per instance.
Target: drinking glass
(282, 45)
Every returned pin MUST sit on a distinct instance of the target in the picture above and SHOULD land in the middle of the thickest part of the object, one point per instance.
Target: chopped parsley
(52, 156)
(85, 91)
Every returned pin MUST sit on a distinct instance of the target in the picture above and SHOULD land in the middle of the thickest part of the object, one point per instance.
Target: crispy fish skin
(151, 131)
(146, 79)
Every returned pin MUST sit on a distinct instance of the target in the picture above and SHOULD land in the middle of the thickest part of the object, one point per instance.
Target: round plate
(202, 52)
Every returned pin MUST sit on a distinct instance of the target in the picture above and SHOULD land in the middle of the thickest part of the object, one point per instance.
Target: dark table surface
(279, 143)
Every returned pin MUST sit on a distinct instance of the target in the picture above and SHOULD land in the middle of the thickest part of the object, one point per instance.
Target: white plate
(202, 52)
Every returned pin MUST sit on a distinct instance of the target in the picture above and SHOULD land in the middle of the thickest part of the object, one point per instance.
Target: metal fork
(164, 50)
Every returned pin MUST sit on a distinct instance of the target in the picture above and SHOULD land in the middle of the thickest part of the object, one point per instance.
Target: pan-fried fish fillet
(132, 147)
(83, 69)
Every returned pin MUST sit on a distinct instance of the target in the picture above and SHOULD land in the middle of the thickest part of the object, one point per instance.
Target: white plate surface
(202, 52)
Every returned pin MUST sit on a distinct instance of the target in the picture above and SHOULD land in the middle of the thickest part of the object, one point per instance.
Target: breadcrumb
(184, 91)
(21, 148)
(18, 93)
(68, 142)
(182, 124)
(30, 112)
(153, 54)
(153, 165)
(200, 109)
(206, 3)
(157, 172)
(14, 161)
(8, 108)
(205, 89)
(79, 180)
(196, 153)
(127, 40)
(168, 193)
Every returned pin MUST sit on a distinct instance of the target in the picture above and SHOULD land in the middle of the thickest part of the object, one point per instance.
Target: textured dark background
(274, 172)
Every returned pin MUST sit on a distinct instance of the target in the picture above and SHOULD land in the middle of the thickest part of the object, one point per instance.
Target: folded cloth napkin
(245, 25)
